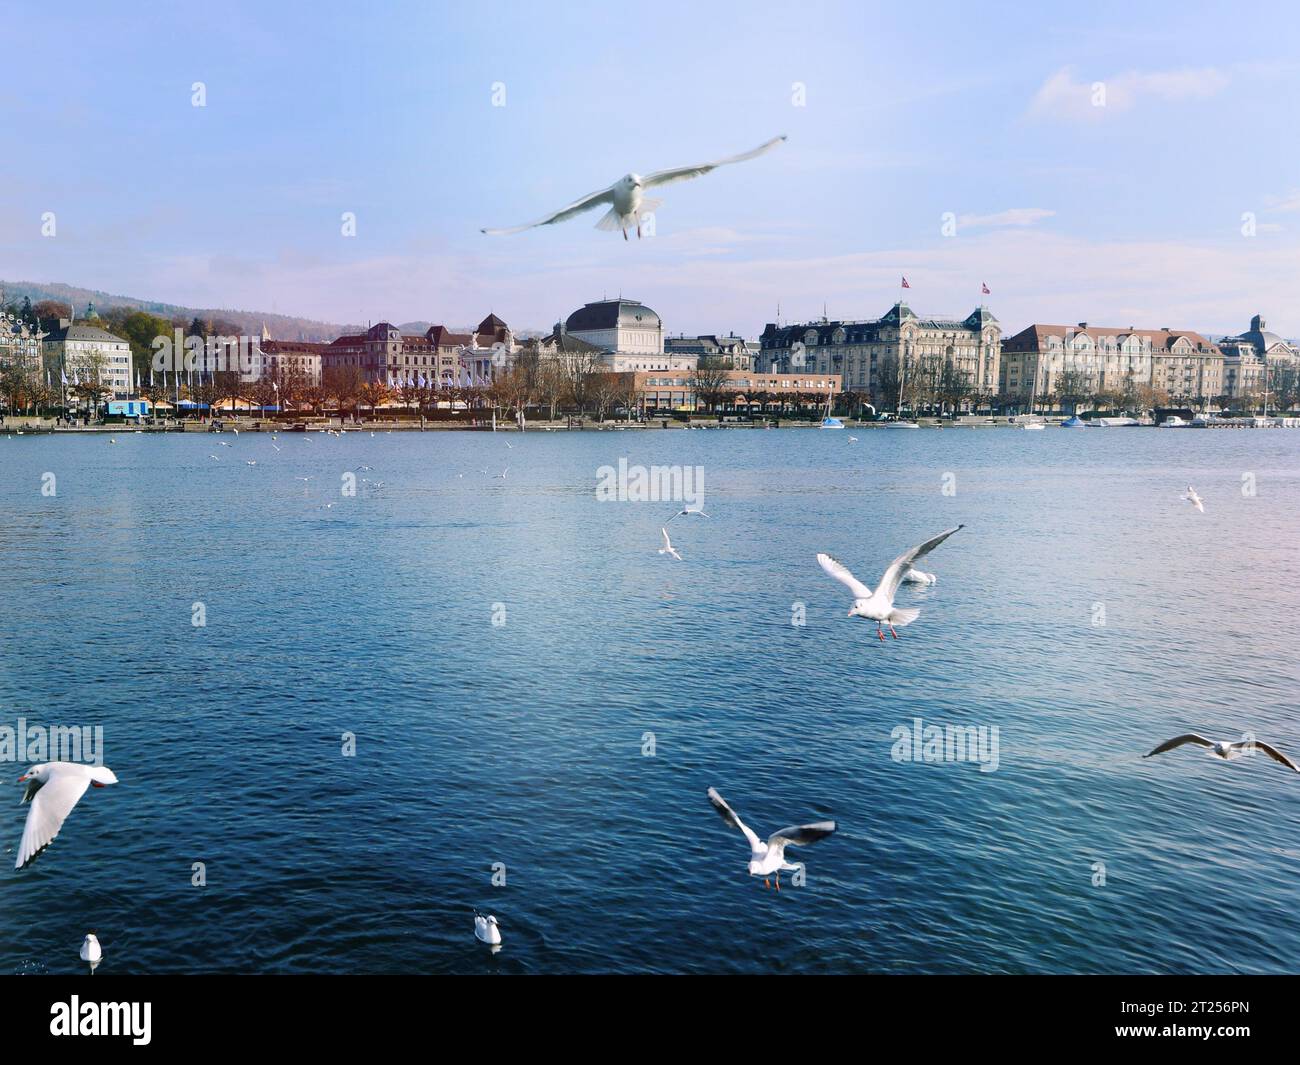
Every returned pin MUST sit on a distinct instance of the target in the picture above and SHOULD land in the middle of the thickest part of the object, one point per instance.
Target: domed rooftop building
(1248, 360)
(1260, 340)
(625, 327)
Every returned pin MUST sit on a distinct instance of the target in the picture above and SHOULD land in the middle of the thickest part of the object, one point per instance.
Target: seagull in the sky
(626, 196)
(668, 548)
(878, 606)
(768, 858)
(53, 789)
(1194, 499)
(1225, 749)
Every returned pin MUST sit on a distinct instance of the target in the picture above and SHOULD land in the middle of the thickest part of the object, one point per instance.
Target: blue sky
(1128, 213)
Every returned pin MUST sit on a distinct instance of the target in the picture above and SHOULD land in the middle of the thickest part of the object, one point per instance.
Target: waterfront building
(867, 353)
(384, 353)
(83, 349)
(490, 351)
(298, 361)
(629, 334)
(20, 345)
(656, 393)
(1250, 359)
(734, 352)
(1042, 359)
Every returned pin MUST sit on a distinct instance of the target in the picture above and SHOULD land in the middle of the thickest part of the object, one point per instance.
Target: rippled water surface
(522, 744)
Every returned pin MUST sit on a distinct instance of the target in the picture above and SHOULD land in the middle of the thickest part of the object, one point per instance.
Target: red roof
(1033, 338)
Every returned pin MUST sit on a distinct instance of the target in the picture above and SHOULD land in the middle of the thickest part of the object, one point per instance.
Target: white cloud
(1062, 97)
(1016, 216)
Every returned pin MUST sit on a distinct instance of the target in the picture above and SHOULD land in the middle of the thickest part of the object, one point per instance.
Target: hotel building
(858, 350)
(1180, 363)
(79, 349)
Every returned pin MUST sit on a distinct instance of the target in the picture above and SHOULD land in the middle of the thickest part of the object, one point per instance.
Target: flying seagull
(626, 195)
(878, 606)
(690, 510)
(668, 548)
(1194, 499)
(917, 576)
(1225, 749)
(53, 789)
(768, 858)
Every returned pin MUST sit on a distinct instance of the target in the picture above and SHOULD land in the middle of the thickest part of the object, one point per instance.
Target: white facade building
(629, 333)
(78, 349)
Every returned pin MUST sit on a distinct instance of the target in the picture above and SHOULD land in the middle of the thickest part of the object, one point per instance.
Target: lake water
(1084, 610)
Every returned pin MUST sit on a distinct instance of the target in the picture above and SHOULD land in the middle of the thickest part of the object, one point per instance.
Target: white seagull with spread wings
(768, 858)
(53, 789)
(1195, 500)
(626, 196)
(1225, 749)
(878, 606)
(668, 548)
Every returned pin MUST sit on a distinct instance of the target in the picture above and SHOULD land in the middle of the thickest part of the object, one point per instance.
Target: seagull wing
(51, 804)
(729, 815)
(685, 173)
(594, 199)
(668, 544)
(840, 572)
(800, 835)
(1277, 756)
(900, 565)
(1178, 741)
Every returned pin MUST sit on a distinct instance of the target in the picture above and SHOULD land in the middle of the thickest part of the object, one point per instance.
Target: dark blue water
(522, 743)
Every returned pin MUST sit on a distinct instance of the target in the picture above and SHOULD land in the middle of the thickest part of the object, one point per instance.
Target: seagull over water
(668, 548)
(917, 576)
(1194, 499)
(768, 858)
(690, 510)
(1225, 749)
(626, 196)
(53, 789)
(878, 606)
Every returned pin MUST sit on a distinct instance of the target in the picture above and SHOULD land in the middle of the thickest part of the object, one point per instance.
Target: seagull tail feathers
(903, 616)
(611, 221)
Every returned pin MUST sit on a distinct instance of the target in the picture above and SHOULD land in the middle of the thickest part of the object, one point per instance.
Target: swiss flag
(984, 288)
(905, 284)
